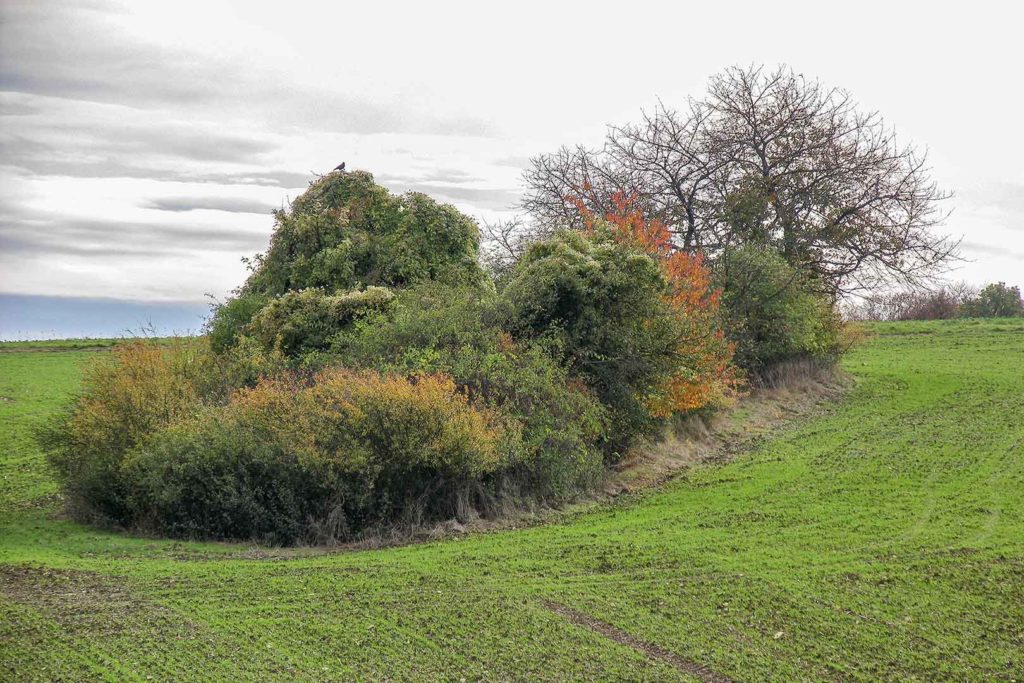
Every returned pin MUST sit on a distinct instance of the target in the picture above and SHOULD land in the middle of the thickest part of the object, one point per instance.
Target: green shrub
(302, 321)
(459, 332)
(772, 311)
(562, 424)
(346, 232)
(601, 307)
(288, 460)
(230, 318)
(220, 476)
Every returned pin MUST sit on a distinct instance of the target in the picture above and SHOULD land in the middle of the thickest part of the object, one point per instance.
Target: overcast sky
(145, 144)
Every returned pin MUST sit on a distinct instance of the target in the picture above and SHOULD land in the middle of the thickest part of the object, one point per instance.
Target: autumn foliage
(353, 386)
(705, 375)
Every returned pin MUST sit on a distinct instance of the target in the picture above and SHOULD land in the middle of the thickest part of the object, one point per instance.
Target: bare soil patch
(83, 601)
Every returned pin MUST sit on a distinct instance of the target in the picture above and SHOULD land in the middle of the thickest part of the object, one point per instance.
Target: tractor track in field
(648, 649)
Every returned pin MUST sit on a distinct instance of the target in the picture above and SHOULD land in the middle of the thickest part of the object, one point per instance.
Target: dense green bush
(459, 332)
(346, 232)
(230, 318)
(302, 321)
(242, 365)
(772, 311)
(601, 307)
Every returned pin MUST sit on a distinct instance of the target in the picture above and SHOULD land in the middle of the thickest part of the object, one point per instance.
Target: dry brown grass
(786, 392)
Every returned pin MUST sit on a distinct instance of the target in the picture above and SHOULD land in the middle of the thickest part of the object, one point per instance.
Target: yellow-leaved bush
(296, 458)
(140, 388)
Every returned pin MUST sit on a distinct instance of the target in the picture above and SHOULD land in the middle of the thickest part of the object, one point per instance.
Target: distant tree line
(957, 300)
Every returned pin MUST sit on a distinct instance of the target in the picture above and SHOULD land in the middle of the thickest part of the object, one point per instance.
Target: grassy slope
(884, 540)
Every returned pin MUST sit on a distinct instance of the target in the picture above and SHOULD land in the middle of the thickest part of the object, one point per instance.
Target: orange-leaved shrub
(705, 375)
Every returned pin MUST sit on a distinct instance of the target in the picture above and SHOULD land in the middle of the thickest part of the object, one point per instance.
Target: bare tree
(938, 303)
(772, 158)
(504, 242)
(558, 183)
(670, 162)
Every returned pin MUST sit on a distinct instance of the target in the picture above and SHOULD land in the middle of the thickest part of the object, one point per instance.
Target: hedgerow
(292, 460)
(368, 374)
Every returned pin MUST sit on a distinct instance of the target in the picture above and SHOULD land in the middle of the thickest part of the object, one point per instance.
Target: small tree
(347, 233)
(704, 374)
(772, 312)
(599, 307)
(995, 300)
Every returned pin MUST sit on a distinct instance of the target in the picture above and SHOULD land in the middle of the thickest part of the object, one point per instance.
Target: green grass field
(882, 540)
(57, 345)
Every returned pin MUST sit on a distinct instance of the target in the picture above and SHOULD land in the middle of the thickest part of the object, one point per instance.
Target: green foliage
(429, 316)
(995, 300)
(230, 318)
(290, 460)
(219, 476)
(600, 306)
(301, 321)
(771, 310)
(346, 232)
(459, 333)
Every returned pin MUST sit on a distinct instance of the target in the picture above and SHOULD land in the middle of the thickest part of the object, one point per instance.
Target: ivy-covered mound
(370, 374)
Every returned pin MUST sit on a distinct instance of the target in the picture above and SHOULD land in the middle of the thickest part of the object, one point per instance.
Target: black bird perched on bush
(340, 167)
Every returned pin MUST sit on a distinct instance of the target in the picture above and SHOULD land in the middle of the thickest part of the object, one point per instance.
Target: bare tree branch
(766, 157)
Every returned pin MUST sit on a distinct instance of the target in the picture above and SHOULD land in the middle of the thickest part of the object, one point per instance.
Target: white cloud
(141, 142)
